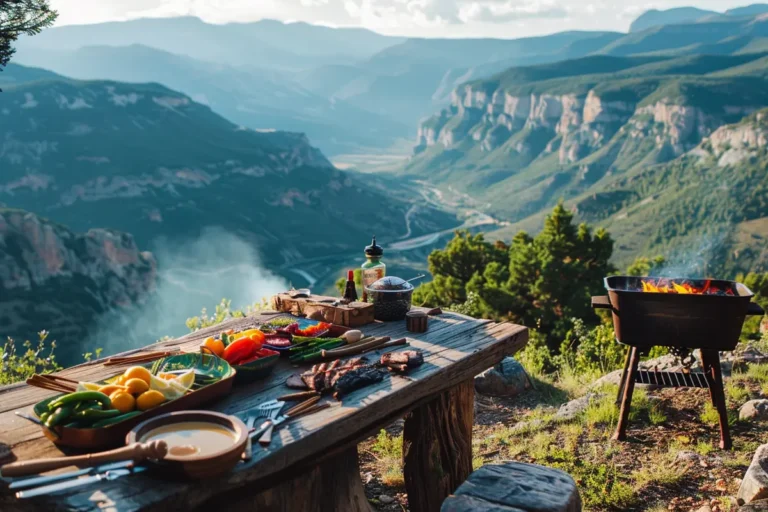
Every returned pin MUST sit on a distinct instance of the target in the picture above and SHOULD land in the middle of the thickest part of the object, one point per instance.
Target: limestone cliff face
(732, 143)
(54, 279)
(576, 124)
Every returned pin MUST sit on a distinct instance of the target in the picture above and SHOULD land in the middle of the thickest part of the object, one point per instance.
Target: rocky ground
(669, 462)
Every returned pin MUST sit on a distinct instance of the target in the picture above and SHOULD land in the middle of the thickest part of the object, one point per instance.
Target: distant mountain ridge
(256, 98)
(525, 138)
(655, 17)
(149, 161)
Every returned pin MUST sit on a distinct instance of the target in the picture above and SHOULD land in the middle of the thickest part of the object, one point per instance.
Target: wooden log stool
(515, 487)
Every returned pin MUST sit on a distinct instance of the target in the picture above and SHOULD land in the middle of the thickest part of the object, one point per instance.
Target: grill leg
(711, 361)
(626, 399)
(623, 381)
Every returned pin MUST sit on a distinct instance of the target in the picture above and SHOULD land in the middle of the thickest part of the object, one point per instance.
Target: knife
(78, 482)
(26, 483)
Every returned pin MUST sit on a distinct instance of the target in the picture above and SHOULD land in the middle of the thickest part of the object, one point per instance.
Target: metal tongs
(306, 407)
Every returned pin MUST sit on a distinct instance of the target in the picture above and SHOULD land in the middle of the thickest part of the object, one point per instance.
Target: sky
(413, 18)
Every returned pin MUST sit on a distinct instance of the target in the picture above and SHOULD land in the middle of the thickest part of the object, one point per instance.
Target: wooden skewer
(50, 385)
(396, 343)
(311, 410)
(298, 396)
(355, 349)
(58, 377)
(140, 358)
(136, 452)
(303, 405)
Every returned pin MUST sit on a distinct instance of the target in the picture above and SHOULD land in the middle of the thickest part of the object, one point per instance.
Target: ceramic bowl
(197, 466)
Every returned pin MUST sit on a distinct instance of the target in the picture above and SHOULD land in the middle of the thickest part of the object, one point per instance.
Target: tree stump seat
(515, 487)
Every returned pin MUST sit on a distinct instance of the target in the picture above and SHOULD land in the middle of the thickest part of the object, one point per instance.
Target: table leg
(626, 399)
(437, 447)
(710, 359)
(331, 486)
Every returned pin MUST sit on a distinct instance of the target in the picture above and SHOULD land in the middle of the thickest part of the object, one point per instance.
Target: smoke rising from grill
(701, 259)
(192, 274)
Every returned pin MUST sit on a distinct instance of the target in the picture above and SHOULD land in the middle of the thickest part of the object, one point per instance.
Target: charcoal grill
(710, 322)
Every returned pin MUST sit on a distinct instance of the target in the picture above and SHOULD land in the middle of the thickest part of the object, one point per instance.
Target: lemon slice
(186, 379)
(169, 388)
(88, 386)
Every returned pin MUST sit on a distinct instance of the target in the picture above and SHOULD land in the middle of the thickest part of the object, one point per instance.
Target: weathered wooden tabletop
(309, 456)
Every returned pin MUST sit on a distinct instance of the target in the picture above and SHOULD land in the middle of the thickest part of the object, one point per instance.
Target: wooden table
(311, 464)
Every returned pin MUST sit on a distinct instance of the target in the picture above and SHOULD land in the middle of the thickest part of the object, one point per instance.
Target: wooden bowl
(197, 466)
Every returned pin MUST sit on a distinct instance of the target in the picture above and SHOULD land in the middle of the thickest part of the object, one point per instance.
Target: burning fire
(662, 286)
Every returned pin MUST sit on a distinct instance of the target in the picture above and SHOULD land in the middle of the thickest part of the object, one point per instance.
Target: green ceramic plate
(255, 370)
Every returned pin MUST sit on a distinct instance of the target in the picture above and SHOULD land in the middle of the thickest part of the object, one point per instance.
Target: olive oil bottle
(373, 268)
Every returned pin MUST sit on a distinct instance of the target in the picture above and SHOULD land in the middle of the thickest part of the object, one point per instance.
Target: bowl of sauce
(201, 444)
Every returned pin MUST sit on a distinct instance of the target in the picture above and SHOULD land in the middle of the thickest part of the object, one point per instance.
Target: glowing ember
(668, 286)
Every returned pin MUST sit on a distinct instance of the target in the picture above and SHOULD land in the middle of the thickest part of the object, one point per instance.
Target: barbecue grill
(682, 314)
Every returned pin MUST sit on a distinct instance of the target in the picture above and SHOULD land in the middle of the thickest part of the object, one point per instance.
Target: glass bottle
(373, 268)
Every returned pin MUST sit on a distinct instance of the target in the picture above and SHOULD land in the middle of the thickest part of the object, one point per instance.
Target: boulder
(754, 486)
(515, 487)
(755, 506)
(575, 407)
(754, 410)
(508, 378)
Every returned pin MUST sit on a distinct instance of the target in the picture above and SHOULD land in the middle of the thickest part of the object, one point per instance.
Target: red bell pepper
(241, 350)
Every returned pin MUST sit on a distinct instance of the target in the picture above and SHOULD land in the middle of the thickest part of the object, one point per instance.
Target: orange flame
(662, 286)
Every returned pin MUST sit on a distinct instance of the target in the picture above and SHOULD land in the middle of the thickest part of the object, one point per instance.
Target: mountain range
(152, 162)
(594, 131)
(165, 129)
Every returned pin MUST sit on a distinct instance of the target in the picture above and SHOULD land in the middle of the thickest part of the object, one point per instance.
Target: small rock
(573, 408)
(368, 477)
(687, 456)
(721, 484)
(754, 486)
(508, 378)
(755, 506)
(386, 499)
(754, 410)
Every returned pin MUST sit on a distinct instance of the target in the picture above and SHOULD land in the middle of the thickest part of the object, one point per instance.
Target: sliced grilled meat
(410, 358)
(356, 379)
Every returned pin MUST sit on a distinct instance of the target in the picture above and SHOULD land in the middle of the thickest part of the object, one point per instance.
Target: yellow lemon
(149, 399)
(136, 386)
(170, 389)
(110, 388)
(138, 372)
(88, 386)
(186, 379)
(123, 401)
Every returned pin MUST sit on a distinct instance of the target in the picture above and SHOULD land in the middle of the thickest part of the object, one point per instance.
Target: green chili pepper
(81, 396)
(116, 419)
(85, 405)
(97, 414)
(59, 415)
(44, 416)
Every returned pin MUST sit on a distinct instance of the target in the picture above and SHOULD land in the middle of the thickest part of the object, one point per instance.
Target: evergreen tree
(540, 281)
(19, 17)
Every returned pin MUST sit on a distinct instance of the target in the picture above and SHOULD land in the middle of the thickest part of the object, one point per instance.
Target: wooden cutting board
(327, 309)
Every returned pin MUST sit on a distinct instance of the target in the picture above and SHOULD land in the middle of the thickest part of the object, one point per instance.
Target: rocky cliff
(54, 279)
(521, 140)
(150, 161)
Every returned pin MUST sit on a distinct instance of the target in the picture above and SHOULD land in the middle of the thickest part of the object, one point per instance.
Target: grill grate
(672, 379)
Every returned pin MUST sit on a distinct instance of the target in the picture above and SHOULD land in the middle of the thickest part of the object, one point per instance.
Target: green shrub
(222, 313)
(18, 366)
(592, 351)
(536, 358)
